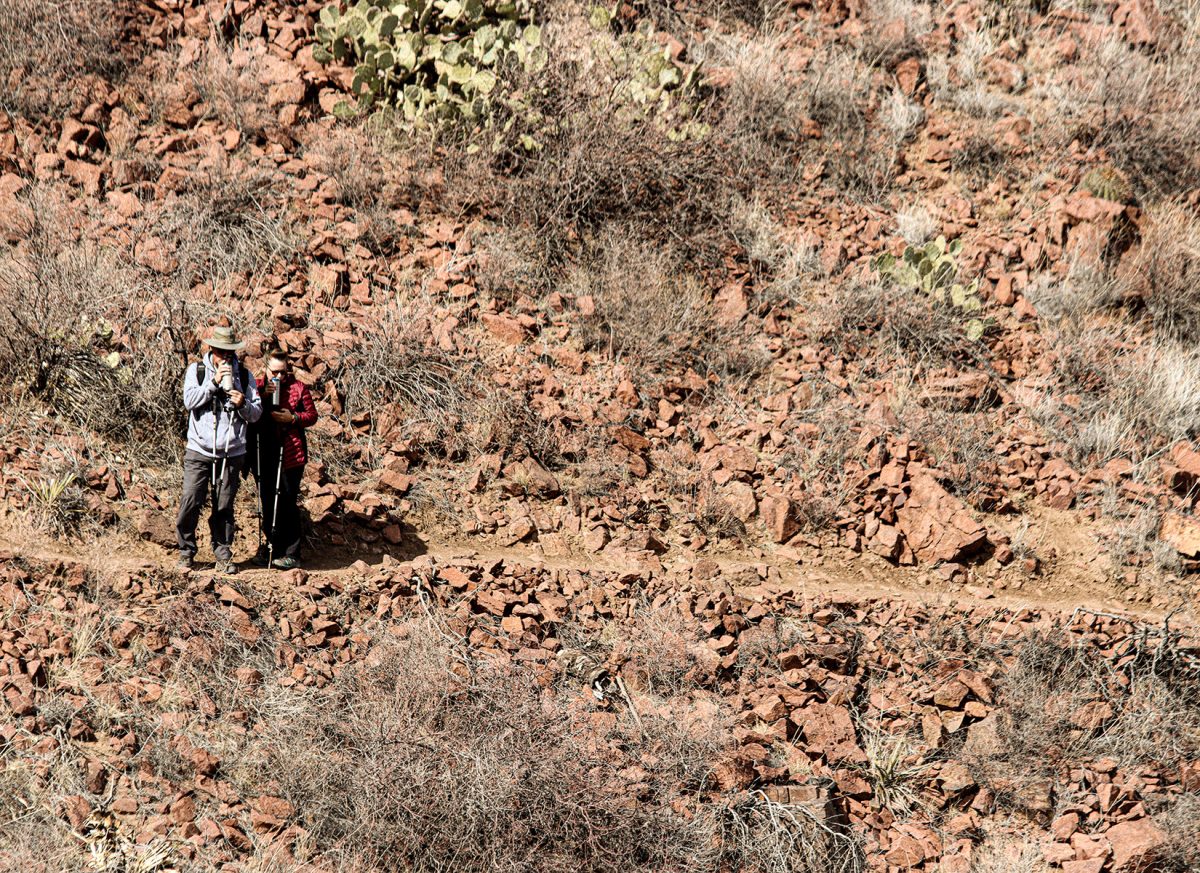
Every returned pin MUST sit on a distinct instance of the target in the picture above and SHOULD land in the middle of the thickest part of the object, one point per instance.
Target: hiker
(221, 399)
(279, 449)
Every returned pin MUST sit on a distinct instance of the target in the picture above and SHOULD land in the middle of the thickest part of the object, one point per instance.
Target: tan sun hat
(223, 337)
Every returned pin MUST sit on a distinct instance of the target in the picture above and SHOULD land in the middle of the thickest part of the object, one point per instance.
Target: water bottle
(227, 382)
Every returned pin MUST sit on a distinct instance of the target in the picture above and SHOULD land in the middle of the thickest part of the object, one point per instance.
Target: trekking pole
(258, 481)
(275, 510)
(225, 456)
(216, 416)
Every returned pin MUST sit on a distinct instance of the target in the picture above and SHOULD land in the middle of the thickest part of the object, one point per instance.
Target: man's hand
(223, 370)
(282, 416)
(237, 398)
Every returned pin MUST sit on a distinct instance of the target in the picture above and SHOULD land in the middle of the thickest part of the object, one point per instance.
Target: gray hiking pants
(198, 473)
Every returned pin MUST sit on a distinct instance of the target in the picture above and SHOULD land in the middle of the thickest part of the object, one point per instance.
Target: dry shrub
(1152, 715)
(886, 44)
(425, 759)
(916, 224)
(860, 163)
(229, 81)
(509, 262)
(44, 46)
(1180, 819)
(1133, 539)
(961, 80)
(1133, 396)
(1009, 856)
(693, 497)
(648, 310)
(818, 463)
(226, 226)
(759, 834)
(901, 115)
(85, 330)
(959, 443)
(784, 266)
(1164, 271)
(395, 370)
(979, 160)
(598, 165)
(1139, 108)
(373, 175)
(664, 650)
(32, 838)
(868, 319)
(762, 109)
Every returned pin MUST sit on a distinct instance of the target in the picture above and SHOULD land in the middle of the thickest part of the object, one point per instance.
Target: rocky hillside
(764, 433)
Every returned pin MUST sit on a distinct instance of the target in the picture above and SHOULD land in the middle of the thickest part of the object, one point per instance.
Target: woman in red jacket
(288, 409)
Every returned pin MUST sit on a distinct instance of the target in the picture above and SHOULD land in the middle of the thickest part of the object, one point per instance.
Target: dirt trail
(826, 573)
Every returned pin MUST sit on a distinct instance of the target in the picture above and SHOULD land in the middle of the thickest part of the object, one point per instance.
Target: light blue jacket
(206, 406)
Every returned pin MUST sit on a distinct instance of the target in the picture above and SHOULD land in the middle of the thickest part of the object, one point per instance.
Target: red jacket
(294, 397)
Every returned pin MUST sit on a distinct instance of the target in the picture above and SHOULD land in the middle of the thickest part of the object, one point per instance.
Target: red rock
(1092, 865)
(955, 777)
(77, 810)
(1092, 716)
(730, 304)
(886, 542)
(1087, 847)
(532, 477)
(156, 528)
(1144, 23)
(86, 176)
(319, 505)
(630, 439)
(226, 594)
(908, 75)
(779, 518)
(1134, 843)
(958, 391)
(502, 327)
(829, 730)
(905, 852)
(937, 525)
(950, 695)
(396, 481)
(739, 497)
(1182, 532)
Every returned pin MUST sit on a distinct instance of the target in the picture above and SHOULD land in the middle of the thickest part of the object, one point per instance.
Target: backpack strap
(243, 373)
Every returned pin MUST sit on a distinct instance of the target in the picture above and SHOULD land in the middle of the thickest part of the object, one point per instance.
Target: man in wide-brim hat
(222, 400)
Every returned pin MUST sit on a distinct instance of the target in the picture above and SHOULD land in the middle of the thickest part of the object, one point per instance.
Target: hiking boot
(261, 558)
(287, 562)
(225, 568)
(184, 564)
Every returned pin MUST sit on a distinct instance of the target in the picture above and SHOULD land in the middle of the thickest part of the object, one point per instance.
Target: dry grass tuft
(1138, 108)
(647, 310)
(1164, 272)
(425, 759)
(1135, 397)
(1064, 704)
(44, 45)
(229, 81)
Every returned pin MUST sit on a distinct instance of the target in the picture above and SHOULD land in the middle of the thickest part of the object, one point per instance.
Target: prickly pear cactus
(649, 78)
(932, 268)
(1108, 182)
(433, 60)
